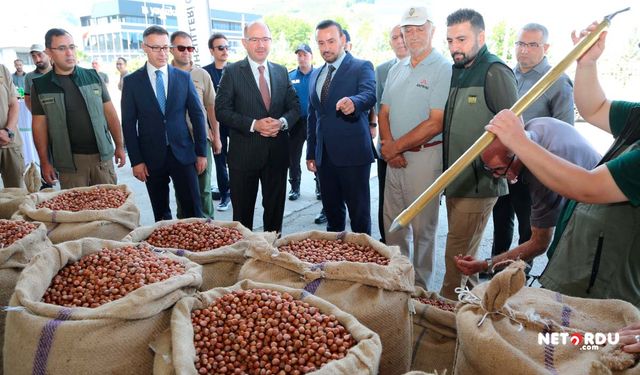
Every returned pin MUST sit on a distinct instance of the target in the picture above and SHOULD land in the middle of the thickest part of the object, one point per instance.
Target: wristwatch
(489, 265)
(283, 125)
(9, 132)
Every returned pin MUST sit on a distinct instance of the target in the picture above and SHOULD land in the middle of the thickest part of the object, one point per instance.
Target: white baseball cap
(415, 16)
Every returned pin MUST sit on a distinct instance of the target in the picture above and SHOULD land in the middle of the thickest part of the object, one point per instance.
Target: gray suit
(252, 157)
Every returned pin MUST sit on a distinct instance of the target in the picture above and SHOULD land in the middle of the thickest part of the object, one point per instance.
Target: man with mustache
(481, 86)
(258, 103)
(76, 129)
(411, 137)
(43, 66)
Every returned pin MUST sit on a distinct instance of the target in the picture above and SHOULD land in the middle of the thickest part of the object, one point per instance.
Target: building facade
(114, 28)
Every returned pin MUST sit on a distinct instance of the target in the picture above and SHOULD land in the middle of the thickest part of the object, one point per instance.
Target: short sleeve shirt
(563, 141)
(624, 168)
(81, 133)
(412, 92)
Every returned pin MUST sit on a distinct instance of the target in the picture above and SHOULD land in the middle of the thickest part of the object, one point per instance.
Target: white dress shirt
(151, 72)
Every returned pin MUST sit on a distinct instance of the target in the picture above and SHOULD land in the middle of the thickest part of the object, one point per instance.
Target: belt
(426, 145)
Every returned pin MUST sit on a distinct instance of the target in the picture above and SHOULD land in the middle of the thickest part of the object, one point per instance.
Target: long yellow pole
(487, 137)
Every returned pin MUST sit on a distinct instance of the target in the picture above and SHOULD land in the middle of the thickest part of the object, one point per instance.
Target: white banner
(194, 19)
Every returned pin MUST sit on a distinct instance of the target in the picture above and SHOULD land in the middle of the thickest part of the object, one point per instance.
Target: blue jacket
(345, 137)
(146, 129)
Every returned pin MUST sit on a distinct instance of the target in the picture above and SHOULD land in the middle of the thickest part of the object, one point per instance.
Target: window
(224, 25)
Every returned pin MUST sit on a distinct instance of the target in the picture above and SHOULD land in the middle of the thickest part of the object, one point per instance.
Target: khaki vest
(51, 97)
(466, 114)
(598, 253)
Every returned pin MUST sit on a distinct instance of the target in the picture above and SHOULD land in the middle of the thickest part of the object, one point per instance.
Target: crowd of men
(251, 118)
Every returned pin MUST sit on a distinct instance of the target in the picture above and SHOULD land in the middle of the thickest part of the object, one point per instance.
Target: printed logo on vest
(48, 100)
(472, 99)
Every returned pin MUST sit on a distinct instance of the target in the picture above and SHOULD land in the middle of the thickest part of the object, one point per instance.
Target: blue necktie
(160, 94)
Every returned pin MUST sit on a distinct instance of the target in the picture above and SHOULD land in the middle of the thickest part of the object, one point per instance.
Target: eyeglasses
(221, 48)
(266, 39)
(182, 48)
(63, 49)
(158, 48)
(527, 45)
(499, 171)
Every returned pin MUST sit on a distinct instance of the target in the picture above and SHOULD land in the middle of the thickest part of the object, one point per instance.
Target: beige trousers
(467, 219)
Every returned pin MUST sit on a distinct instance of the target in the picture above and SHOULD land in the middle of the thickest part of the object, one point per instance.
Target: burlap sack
(109, 224)
(10, 200)
(13, 259)
(434, 334)
(32, 178)
(220, 267)
(499, 322)
(110, 339)
(378, 296)
(175, 352)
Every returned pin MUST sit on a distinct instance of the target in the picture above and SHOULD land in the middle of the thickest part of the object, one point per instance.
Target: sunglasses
(221, 48)
(182, 48)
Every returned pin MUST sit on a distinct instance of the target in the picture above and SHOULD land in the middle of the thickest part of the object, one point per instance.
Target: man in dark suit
(155, 101)
(338, 140)
(258, 103)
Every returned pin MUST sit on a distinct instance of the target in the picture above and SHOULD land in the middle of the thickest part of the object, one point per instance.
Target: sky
(26, 26)
(559, 16)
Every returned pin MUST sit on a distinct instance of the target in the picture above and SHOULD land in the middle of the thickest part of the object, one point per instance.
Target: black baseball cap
(303, 47)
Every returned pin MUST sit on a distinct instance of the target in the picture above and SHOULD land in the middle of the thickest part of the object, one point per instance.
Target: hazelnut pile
(109, 275)
(94, 199)
(319, 251)
(261, 331)
(14, 230)
(442, 305)
(195, 236)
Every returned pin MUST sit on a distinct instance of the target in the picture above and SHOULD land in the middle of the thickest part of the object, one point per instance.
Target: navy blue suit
(341, 144)
(162, 141)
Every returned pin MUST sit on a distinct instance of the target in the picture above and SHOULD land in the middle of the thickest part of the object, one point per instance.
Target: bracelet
(489, 265)
(373, 124)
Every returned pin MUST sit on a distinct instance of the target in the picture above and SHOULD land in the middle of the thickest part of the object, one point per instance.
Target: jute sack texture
(175, 351)
(113, 338)
(499, 321)
(109, 224)
(10, 200)
(13, 259)
(434, 334)
(220, 267)
(378, 296)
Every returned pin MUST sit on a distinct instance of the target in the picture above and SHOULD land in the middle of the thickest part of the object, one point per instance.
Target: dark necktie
(324, 93)
(160, 94)
(264, 89)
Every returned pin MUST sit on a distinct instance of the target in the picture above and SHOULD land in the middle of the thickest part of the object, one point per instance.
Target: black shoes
(321, 218)
(294, 195)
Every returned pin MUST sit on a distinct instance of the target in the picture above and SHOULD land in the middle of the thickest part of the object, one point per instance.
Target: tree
(295, 30)
(502, 40)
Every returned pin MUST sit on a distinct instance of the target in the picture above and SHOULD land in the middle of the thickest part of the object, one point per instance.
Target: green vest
(597, 253)
(466, 114)
(51, 97)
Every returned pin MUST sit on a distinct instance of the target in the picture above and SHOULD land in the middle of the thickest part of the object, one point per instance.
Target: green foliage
(295, 30)
(501, 41)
